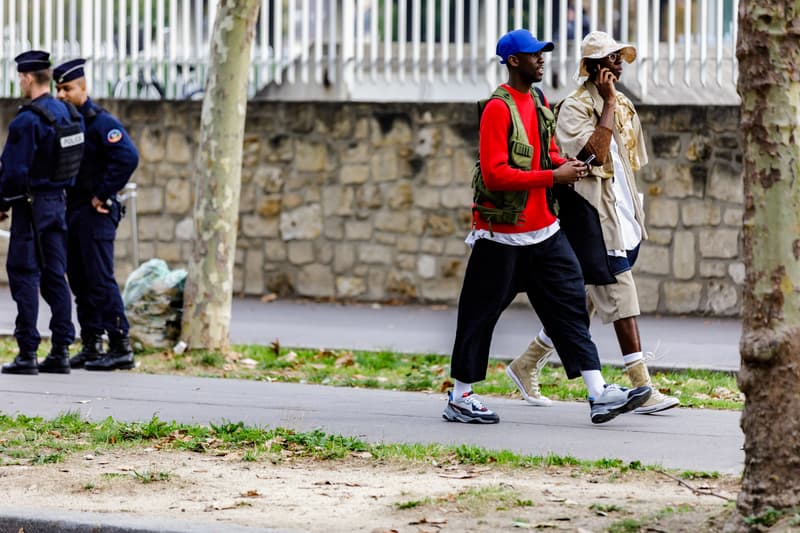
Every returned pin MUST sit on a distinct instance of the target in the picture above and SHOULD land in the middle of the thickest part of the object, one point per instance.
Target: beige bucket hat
(597, 45)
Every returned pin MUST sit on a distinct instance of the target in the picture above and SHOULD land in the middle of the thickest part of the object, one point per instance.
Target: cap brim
(541, 46)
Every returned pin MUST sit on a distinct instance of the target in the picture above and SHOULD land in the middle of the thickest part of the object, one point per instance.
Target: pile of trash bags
(153, 298)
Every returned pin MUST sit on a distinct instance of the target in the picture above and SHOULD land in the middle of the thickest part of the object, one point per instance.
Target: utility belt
(28, 197)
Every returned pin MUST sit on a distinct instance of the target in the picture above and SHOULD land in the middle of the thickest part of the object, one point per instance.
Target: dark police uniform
(37, 252)
(110, 159)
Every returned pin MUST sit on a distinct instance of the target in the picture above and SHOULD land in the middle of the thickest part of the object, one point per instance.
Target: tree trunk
(209, 284)
(769, 85)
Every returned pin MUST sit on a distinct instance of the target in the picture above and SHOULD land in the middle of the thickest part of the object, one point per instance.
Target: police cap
(69, 70)
(32, 61)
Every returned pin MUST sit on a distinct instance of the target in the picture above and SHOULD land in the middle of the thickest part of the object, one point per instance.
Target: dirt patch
(362, 494)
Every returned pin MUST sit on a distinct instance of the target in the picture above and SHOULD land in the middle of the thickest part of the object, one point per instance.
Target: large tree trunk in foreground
(769, 84)
(209, 285)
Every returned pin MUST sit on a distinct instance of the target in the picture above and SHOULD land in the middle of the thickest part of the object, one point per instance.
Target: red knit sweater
(500, 176)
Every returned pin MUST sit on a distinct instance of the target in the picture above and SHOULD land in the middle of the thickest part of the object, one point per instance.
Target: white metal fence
(372, 49)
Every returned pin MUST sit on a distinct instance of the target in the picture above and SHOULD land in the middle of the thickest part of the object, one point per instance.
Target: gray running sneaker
(468, 409)
(616, 400)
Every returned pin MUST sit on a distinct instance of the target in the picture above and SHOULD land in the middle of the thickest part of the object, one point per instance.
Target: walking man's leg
(618, 303)
(489, 287)
(556, 291)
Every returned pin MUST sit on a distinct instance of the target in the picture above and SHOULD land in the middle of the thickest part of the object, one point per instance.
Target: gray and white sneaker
(616, 400)
(468, 409)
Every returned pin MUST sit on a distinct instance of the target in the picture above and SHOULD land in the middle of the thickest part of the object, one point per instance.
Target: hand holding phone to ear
(605, 82)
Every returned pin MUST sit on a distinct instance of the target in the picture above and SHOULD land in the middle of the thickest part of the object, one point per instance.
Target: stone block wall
(371, 202)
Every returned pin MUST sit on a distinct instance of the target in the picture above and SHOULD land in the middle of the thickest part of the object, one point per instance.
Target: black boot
(91, 350)
(23, 363)
(57, 361)
(119, 356)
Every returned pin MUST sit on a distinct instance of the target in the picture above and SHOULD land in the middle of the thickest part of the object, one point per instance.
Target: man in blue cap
(517, 245)
(93, 214)
(41, 157)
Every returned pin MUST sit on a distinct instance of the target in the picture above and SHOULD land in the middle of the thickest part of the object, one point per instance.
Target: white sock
(460, 388)
(545, 339)
(594, 382)
(632, 358)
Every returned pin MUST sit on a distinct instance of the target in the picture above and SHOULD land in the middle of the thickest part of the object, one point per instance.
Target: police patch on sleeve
(114, 136)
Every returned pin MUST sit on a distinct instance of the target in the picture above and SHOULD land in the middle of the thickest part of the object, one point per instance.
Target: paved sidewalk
(693, 439)
(683, 342)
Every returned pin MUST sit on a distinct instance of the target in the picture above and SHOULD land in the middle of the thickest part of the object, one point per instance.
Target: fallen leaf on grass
(346, 359)
(362, 455)
(345, 483)
(431, 521)
(214, 507)
(458, 475)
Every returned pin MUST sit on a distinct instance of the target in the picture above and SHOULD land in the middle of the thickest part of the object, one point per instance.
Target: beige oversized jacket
(576, 121)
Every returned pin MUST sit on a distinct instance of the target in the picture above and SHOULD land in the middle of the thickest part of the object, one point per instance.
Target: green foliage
(692, 474)
(769, 517)
(411, 504)
(149, 476)
(628, 525)
(208, 359)
(610, 508)
(668, 511)
(47, 458)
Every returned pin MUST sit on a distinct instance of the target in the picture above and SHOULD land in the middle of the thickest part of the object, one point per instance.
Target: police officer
(93, 214)
(34, 175)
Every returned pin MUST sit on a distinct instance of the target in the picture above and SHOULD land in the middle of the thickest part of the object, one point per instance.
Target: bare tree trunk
(769, 84)
(209, 285)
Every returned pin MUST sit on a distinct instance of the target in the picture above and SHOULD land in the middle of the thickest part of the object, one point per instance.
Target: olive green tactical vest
(508, 205)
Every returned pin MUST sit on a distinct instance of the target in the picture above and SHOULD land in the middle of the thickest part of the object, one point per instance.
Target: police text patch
(71, 140)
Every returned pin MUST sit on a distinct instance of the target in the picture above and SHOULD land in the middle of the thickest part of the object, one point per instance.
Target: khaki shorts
(617, 300)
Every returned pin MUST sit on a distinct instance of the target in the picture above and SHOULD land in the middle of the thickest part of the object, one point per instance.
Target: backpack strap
(547, 128)
(39, 110)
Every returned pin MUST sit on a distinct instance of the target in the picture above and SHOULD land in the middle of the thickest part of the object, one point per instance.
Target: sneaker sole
(630, 405)
(451, 415)
(127, 366)
(539, 402)
(657, 408)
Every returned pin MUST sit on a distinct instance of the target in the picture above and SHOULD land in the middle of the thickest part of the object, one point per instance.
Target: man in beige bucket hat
(597, 120)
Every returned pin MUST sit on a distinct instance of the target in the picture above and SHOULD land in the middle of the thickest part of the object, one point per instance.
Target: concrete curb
(57, 521)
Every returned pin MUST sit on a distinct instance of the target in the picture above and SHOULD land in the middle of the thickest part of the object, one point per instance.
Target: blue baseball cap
(520, 41)
(68, 71)
(32, 61)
